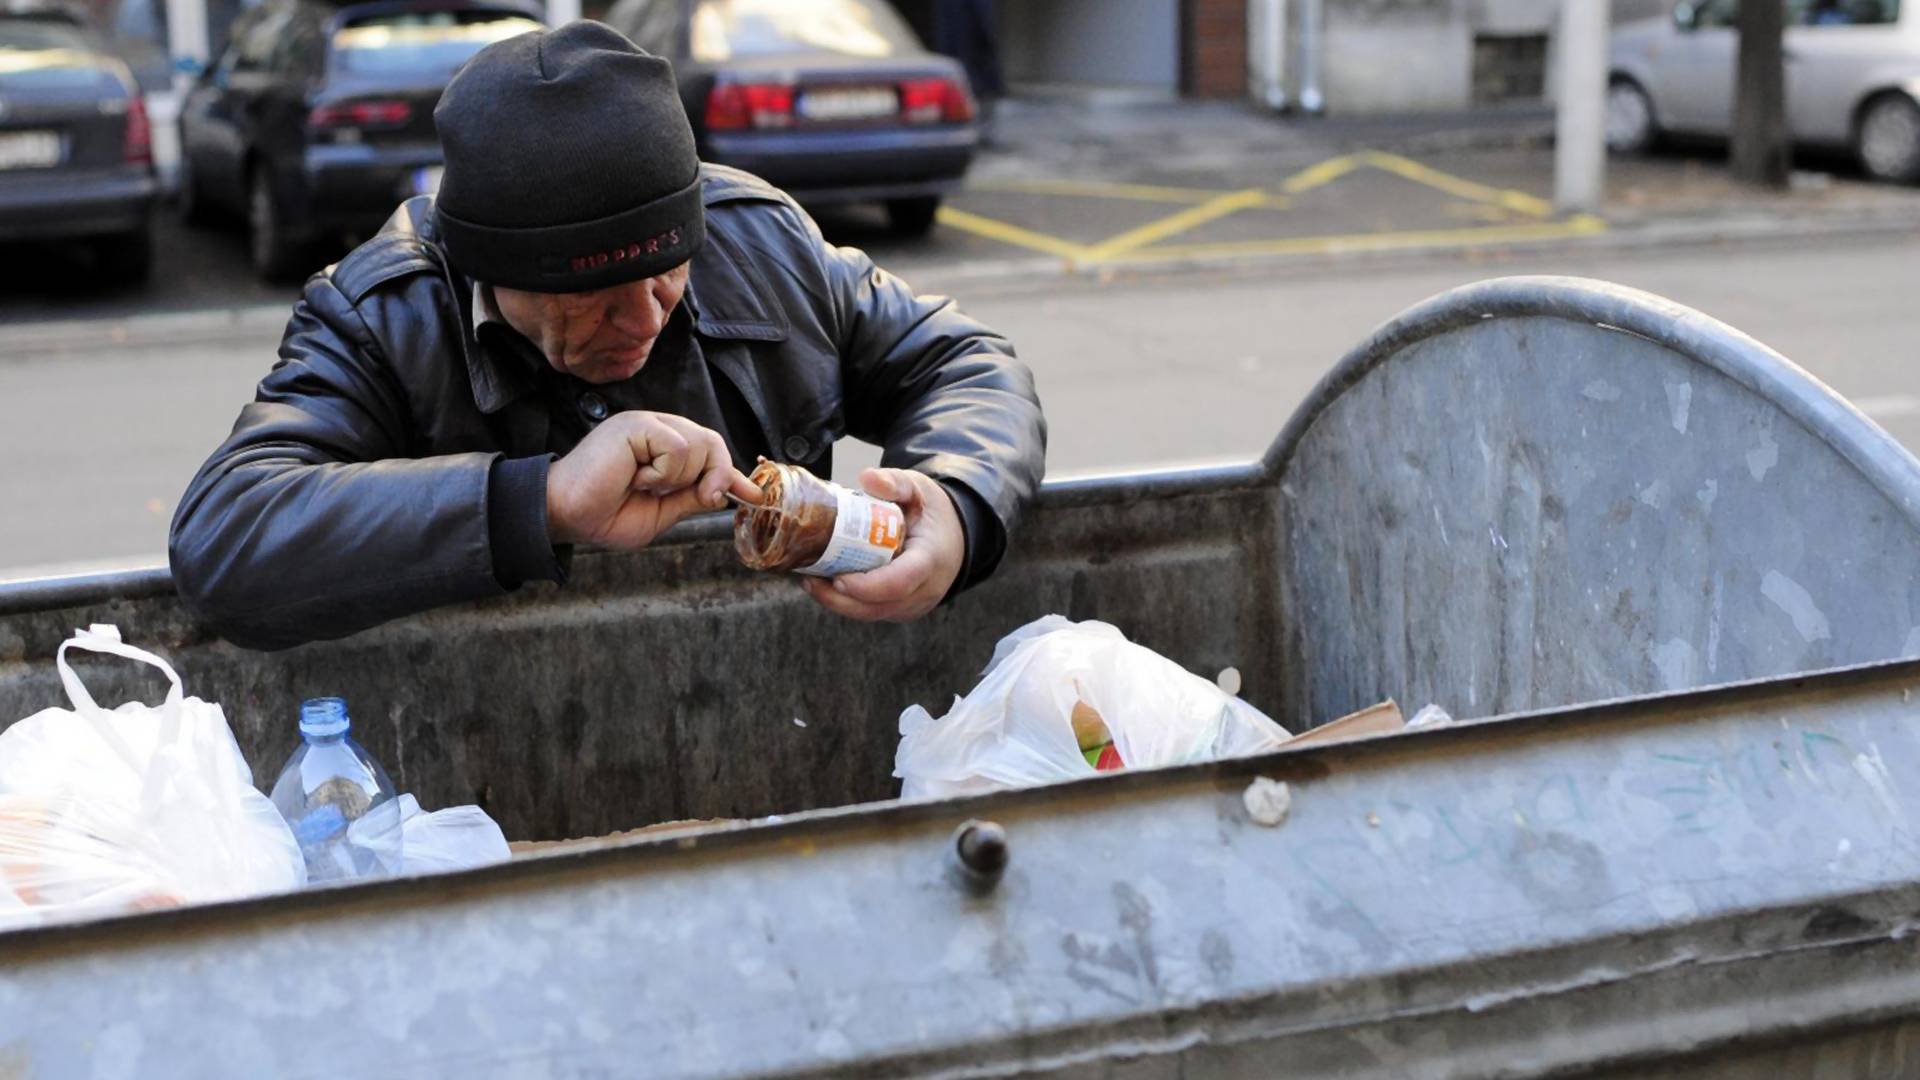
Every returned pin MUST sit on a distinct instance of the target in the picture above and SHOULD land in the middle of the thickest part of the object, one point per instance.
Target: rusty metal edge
(1302, 765)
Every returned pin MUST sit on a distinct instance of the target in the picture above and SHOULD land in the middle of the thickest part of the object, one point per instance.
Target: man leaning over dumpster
(586, 338)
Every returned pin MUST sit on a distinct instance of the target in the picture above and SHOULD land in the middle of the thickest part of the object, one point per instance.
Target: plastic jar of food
(814, 526)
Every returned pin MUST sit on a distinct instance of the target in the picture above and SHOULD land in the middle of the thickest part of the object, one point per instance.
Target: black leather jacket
(395, 458)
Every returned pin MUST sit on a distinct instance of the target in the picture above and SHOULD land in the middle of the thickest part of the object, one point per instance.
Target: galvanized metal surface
(1624, 497)
(1536, 492)
(1525, 493)
(1615, 886)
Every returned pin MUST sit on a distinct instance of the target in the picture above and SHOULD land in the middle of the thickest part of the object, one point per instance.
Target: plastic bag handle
(103, 638)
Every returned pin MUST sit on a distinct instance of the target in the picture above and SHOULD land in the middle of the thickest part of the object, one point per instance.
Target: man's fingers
(660, 451)
(896, 486)
(889, 584)
(839, 603)
(676, 506)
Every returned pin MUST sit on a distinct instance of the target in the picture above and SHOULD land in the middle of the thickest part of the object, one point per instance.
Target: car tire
(188, 200)
(1887, 139)
(913, 217)
(277, 256)
(125, 258)
(1630, 125)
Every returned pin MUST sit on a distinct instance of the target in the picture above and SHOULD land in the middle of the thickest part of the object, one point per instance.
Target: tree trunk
(1761, 154)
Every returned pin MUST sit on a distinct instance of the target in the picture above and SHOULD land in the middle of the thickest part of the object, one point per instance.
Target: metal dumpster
(1562, 504)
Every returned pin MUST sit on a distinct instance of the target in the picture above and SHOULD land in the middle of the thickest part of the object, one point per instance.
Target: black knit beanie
(569, 163)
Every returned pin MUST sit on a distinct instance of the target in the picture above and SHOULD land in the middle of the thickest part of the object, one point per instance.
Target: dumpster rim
(639, 854)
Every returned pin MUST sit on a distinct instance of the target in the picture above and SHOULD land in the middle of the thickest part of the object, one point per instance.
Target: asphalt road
(101, 425)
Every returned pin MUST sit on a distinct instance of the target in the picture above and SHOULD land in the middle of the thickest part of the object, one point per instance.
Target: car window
(421, 42)
(1726, 13)
(44, 55)
(1842, 12)
(253, 50)
(723, 29)
(654, 25)
(301, 50)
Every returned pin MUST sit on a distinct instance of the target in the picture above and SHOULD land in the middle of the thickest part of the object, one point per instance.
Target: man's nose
(639, 316)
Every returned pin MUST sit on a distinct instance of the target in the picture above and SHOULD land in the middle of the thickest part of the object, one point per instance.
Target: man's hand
(635, 476)
(919, 577)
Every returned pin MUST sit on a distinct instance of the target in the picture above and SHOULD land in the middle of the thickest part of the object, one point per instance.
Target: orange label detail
(888, 525)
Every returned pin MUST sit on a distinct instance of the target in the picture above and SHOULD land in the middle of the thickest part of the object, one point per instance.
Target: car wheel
(1630, 126)
(125, 258)
(188, 199)
(913, 217)
(1888, 140)
(277, 257)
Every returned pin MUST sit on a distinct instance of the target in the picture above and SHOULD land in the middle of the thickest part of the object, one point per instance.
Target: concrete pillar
(1267, 53)
(1313, 46)
(187, 33)
(1580, 130)
(561, 12)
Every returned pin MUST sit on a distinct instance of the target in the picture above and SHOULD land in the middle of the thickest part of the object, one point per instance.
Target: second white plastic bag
(1017, 727)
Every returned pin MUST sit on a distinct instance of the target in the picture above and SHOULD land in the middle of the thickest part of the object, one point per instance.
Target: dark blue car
(832, 100)
(76, 162)
(316, 121)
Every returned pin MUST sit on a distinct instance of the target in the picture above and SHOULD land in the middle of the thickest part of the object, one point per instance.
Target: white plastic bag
(1017, 727)
(139, 807)
(457, 838)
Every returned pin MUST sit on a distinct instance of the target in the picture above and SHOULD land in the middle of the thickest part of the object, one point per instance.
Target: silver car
(1853, 78)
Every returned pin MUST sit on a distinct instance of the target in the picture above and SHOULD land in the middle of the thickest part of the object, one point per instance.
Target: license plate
(850, 104)
(30, 149)
(427, 181)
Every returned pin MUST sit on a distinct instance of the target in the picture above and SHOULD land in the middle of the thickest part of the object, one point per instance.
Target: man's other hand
(919, 577)
(636, 476)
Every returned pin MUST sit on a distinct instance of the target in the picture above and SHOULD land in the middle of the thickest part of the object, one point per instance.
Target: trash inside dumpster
(1669, 825)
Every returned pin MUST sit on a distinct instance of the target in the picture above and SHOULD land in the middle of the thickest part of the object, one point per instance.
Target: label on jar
(866, 535)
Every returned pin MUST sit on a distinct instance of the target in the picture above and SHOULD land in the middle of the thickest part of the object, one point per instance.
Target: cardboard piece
(1381, 719)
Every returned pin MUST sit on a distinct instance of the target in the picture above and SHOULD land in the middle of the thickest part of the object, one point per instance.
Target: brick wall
(1213, 48)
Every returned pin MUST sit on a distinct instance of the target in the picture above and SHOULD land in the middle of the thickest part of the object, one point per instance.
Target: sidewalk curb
(259, 322)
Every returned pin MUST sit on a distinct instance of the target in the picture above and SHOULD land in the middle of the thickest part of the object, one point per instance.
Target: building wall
(1397, 56)
(1092, 43)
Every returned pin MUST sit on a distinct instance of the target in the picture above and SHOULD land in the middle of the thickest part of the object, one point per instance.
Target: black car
(833, 100)
(76, 153)
(317, 120)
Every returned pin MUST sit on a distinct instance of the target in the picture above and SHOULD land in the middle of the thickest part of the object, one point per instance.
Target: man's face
(601, 336)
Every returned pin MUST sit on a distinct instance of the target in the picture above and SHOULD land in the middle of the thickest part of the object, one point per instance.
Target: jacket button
(593, 405)
(798, 448)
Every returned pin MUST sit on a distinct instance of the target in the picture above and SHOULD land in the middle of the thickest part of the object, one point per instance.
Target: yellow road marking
(1412, 170)
(1319, 175)
(953, 217)
(1185, 221)
(1100, 189)
(1582, 225)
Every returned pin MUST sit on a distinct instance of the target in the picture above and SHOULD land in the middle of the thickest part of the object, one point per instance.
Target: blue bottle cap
(324, 716)
(321, 824)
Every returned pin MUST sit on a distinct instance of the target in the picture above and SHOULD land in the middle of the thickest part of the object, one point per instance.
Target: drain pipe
(1267, 53)
(1313, 14)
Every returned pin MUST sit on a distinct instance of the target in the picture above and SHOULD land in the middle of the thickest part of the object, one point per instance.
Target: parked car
(316, 120)
(1852, 78)
(137, 32)
(832, 100)
(76, 163)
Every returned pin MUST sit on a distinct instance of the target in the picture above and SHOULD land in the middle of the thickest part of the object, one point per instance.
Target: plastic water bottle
(337, 799)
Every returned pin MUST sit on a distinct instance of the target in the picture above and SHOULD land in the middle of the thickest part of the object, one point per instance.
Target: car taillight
(935, 101)
(360, 114)
(739, 106)
(137, 149)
